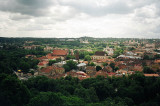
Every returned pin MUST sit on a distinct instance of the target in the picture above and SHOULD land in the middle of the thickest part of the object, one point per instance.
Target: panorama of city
(79, 52)
(80, 71)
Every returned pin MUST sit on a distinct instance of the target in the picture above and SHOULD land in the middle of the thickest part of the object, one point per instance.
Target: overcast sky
(76, 18)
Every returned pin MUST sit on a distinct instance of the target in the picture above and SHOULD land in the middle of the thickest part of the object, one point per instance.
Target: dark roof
(100, 53)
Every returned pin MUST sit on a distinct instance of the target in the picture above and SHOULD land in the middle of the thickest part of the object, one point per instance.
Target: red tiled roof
(47, 69)
(151, 75)
(43, 63)
(111, 73)
(157, 61)
(42, 58)
(50, 56)
(101, 73)
(60, 52)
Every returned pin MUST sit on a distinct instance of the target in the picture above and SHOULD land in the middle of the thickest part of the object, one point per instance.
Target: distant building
(48, 48)
(60, 53)
(109, 51)
(84, 41)
(99, 55)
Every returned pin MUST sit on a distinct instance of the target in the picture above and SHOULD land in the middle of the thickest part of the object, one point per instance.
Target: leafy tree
(112, 65)
(87, 58)
(148, 70)
(105, 64)
(98, 68)
(13, 91)
(70, 65)
(51, 62)
(70, 57)
(91, 64)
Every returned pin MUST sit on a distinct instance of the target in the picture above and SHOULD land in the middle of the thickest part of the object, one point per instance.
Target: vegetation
(41, 91)
(133, 90)
(70, 65)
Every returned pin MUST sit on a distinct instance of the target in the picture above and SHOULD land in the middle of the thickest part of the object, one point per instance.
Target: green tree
(112, 65)
(105, 64)
(70, 65)
(98, 68)
(91, 64)
(148, 70)
(13, 91)
(87, 58)
(51, 62)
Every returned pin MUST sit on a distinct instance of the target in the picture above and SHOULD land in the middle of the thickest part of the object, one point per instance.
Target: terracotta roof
(43, 63)
(111, 74)
(57, 68)
(42, 58)
(151, 75)
(50, 56)
(157, 61)
(86, 62)
(60, 52)
(101, 73)
(90, 68)
(47, 69)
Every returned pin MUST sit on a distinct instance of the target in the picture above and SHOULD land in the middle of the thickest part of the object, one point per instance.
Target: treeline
(116, 91)
(12, 60)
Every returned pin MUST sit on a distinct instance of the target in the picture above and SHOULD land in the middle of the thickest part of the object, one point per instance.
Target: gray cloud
(27, 7)
(72, 17)
(95, 9)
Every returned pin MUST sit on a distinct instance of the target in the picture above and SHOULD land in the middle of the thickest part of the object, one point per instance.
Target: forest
(133, 90)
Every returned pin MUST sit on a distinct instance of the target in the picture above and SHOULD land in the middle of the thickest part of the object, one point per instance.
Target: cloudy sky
(76, 18)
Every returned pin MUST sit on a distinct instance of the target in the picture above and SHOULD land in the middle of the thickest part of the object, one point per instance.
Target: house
(31, 47)
(81, 66)
(109, 51)
(107, 69)
(30, 56)
(157, 61)
(48, 48)
(42, 64)
(43, 58)
(60, 64)
(47, 71)
(99, 55)
(51, 71)
(138, 68)
(111, 74)
(60, 53)
(151, 75)
(51, 57)
(80, 74)
(91, 71)
(58, 70)
(101, 73)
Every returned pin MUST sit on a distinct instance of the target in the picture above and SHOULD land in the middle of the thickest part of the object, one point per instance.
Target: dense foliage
(41, 91)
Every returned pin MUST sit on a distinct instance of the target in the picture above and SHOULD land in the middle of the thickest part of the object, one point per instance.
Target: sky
(77, 18)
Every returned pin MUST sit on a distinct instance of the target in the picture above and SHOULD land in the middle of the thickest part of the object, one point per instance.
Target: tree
(13, 91)
(70, 65)
(91, 64)
(112, 65)
(148, 70)
(98, 68)
(51, 62)
(87, 58)
(105, 64)
(70, 57)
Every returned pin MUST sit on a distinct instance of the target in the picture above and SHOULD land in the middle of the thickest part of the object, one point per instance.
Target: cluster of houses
(126, 64)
